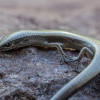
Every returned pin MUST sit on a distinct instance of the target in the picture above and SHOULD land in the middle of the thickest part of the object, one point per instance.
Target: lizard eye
(6, 45)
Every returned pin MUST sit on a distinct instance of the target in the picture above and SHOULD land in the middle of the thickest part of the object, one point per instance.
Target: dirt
(36, 73)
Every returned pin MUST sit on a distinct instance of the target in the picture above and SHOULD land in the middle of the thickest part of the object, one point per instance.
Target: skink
(60, 40)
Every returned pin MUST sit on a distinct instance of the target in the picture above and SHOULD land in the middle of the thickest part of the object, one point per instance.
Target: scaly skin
(60, 40)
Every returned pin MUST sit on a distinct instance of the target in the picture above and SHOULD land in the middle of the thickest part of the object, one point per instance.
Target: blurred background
(79, 16)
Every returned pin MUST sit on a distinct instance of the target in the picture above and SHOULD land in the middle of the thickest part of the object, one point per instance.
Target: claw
(72, 59)
(61, 60)
(76, 68)
(67, 59)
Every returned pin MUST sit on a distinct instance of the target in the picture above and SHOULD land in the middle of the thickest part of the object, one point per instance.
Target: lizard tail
(86, 75)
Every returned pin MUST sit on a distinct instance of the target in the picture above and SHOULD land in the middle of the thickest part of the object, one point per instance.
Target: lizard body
(60, 40)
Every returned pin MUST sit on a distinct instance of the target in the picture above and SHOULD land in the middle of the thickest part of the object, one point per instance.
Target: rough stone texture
(35, 73)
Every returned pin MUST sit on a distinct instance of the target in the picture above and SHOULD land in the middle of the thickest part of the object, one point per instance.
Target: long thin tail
(65, 92)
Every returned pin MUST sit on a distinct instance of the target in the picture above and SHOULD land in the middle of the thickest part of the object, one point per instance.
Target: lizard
(60, 40)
